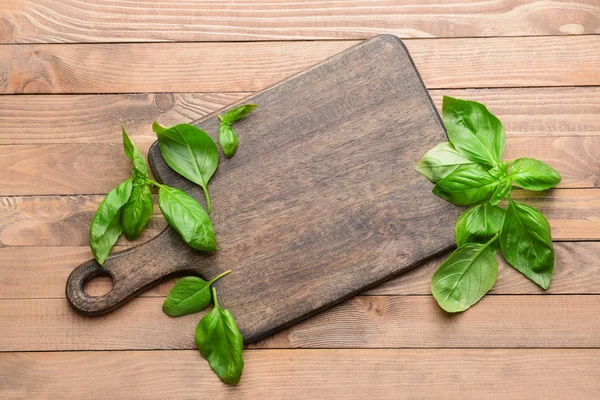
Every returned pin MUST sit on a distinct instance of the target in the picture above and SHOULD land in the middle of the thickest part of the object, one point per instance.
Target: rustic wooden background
(71, 71)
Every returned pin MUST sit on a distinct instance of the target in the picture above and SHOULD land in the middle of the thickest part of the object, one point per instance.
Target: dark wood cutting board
(320, 202)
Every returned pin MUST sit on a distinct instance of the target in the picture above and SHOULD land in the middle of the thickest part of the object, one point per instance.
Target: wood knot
(164, 102)
(7, 30)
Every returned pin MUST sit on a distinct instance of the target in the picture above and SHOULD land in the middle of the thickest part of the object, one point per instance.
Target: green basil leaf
(532, 174)
(526, 242)
(479, 224)
(237, 113)
(137, 211)
(106, 224)
(134, 154)
(189, 295)
(502, 190)
(220, 343)
(187, 217)
(465, 277)
(469, 184)
(500, 170)
(190, 152)
(473, 130)
(228, 140)
(440, 162)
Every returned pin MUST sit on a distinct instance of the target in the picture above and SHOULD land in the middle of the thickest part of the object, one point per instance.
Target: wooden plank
(32, 119)
(234, 67)
(306, 374)
(78, 168)
(577, 266)
(574, 214)
(157, 20)
(365, 321)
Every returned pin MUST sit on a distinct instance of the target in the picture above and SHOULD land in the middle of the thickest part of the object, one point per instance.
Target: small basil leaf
(440, 161)
(532, 174)
(137, 211)
(473, 130)
(228, 140)
(237, 113)
(189, 295)
(526, 242)
(465, 277)
(106, 224)
(469, 184)
(500, 170)
(220, 343)
(187, 217)
(502, 190)
(190, 152)
(134, 154)
(479, 224)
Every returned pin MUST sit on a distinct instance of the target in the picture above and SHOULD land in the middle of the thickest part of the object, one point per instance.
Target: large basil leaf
(526, 242)
(469, 184)
(465, 277)
(228, 140)
(190, 152)
(479, 224)
(137, 211)
(237, 113)
(473, 130)
(134, 154)
(187, 217)
(532, 174)
(440, 161)
(189, 295)
(221, 344)
(106, 224)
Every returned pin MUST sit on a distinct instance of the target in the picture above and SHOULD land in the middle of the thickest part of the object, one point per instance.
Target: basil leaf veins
(532, 174)
(441, 161)
(137, 211)
(469, 184)
(479, 224)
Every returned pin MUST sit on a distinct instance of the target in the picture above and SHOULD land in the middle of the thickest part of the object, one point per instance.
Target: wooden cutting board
(320, 202)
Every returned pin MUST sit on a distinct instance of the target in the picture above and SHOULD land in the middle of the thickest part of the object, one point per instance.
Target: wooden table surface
(72, 71)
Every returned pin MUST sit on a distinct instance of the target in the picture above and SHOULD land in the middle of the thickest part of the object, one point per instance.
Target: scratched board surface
(320, 202)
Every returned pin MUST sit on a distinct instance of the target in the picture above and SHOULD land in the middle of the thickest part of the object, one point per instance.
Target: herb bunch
(128, 207)
(468, 171)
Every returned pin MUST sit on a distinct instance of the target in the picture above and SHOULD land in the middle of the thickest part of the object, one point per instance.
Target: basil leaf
(106, 224)
(190, 152)
(228, 140)
(502, 190)
(440, 161)
(137, 211)
(532, 174)
(237, 113)
(187, 217)
(189, 295)
(469, 184)
(526, 242)
(134, 154)
(465, 277)
(479, 224)
(473, 130)
(220, 343)
(500, 170)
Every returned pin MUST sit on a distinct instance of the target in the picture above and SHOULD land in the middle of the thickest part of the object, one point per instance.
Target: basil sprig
(128, 208)
(469, 171)
(227, 136)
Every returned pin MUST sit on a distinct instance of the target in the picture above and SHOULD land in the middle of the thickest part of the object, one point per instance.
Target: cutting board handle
(132, 272)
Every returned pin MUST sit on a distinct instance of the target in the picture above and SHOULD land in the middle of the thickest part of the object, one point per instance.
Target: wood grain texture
(52, 119)
(574, 214)
(305, 374)
(342, 176)
(235, 67)
(96, 168)
(361, 322)
(576, 269)
(24, 21)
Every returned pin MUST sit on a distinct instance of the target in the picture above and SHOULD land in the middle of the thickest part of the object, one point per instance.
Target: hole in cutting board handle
(99, 285)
